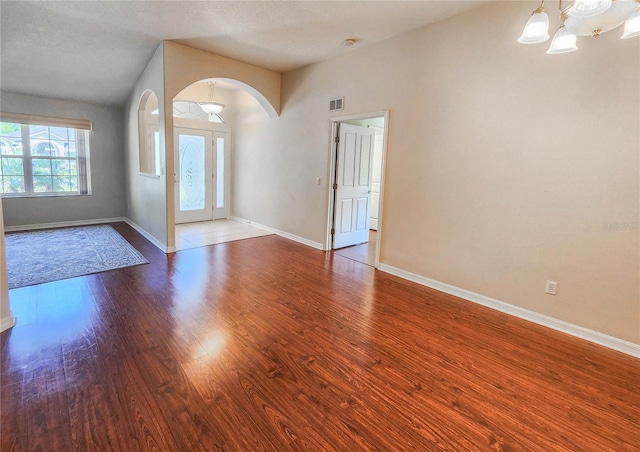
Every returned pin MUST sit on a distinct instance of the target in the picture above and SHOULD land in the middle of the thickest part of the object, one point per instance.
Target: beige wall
(505, 166)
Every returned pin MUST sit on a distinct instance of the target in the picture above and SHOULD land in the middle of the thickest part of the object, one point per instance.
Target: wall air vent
(336, 104)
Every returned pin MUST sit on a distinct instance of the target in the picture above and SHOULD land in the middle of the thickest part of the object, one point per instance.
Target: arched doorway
(202, 143)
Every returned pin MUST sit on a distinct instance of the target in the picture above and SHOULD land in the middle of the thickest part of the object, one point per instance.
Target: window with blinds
(43, 156)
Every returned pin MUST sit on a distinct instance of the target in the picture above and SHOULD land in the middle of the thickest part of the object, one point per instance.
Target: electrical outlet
(551, 287)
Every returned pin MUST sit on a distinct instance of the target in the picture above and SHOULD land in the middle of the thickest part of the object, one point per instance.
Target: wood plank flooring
(265, 344)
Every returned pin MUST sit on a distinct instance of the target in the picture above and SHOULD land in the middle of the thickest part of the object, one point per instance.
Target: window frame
(81, 128)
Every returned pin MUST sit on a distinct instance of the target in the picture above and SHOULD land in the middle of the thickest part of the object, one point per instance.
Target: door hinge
(337, 139)
(335, 186)
(333, 231)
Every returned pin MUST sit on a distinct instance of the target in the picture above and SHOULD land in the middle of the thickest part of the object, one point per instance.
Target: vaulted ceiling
(94, 51)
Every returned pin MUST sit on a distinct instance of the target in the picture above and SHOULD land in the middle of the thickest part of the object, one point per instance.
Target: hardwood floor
(265, 344)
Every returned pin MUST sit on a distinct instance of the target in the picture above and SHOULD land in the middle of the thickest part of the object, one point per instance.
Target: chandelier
(210, 106)
(583, 18)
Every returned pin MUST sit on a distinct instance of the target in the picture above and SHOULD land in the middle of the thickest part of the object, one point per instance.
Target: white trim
(6, 323)
(62, 224)
(574, 330)
(284, 234)
(149, 237)
(66, 224)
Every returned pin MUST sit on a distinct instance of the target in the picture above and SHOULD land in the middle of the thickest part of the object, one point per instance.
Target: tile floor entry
(195, 235)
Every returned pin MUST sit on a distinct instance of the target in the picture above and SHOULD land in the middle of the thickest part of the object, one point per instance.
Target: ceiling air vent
(336, 104)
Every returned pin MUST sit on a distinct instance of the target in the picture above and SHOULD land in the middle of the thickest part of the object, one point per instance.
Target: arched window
(149, 134)
(187, 109)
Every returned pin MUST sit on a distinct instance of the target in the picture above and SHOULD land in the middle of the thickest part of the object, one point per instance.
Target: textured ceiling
(94, 51)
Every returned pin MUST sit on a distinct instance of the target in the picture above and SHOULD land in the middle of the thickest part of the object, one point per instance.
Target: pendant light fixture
(632, 25)
(537, 28)
(583, 18)
(210, 106)
(563, 41)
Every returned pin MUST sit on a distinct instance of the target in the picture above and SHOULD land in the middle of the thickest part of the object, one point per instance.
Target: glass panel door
(192, 178)
(193, 166)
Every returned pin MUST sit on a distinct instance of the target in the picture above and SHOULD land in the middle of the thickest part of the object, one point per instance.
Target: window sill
(41, 195)
(150, 175)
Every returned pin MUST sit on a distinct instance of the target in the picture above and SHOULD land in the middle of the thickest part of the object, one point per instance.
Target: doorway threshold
(364, 253)
(205, 233)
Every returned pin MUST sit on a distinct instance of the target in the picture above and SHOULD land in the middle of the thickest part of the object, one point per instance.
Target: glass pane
(10, 139)
(42, 184)
(71, 149)
(220, 173)
(63, 167)
(156, 150)
(41, 167)
(41, 147)
(12, 167)
(63, 184)
(59, 133)
(192, 177)
(13, 184)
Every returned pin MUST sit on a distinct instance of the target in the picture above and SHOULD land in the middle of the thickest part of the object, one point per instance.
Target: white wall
(146, 196)
(6, 319)
(505, 165)
(107, 165)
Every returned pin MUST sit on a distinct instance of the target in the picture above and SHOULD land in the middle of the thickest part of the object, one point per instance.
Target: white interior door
(353, 181)
(194, 175)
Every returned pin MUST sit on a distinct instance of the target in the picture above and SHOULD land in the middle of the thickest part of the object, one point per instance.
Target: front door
(353, 180)
(194, 174)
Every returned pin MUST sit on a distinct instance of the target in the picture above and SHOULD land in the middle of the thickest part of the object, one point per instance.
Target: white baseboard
(66, 224)
(7, 322)
(614, 343)
(161, 246)
(284, 234)
(62, 224)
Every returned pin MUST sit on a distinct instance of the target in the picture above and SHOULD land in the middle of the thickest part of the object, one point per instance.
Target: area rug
(51, 255)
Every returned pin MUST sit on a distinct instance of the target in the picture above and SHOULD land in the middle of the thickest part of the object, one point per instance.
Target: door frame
(331, 175)
(214, 127)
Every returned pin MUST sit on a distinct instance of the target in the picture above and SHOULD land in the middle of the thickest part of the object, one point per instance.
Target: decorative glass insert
(192, 172)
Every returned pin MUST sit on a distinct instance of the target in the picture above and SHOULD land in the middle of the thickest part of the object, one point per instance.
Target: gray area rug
(43, 256)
